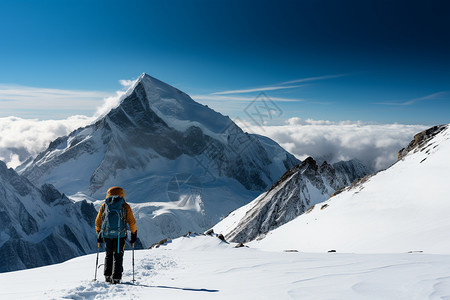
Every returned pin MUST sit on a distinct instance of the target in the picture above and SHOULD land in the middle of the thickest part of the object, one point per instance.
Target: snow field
(205, 268)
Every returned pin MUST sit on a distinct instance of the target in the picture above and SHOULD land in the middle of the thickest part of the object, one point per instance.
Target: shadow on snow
(171, 287)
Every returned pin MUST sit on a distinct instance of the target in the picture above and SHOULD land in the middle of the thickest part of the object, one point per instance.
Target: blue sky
(373, 61)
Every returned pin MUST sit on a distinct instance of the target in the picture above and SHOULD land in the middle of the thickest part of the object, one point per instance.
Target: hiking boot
(108, 279)
(115, 281)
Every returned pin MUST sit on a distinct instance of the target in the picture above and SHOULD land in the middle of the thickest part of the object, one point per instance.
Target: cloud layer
(21, 138)
(374, 144)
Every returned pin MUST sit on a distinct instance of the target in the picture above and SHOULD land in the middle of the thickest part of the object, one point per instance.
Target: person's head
(115, 191)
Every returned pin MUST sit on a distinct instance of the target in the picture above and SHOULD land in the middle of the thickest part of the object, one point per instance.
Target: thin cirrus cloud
(225, 99)
(313, 78)
(279, 86)
(434, 96)
(261, 89)
(234, 104)
(215, 97)
(16, 99)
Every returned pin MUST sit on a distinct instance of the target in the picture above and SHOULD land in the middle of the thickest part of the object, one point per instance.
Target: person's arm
(130, 219)
(132, 223)
(98, 220)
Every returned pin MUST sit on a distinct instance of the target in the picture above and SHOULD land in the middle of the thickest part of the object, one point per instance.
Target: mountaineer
(111, 229)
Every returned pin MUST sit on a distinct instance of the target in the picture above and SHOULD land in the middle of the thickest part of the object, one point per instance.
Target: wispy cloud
(37, 99)
(313, 79)
(57, 103)
(274, 87)
(261, 89)
(434, 96)
(126, 82)
(18, 92)
(214, 97)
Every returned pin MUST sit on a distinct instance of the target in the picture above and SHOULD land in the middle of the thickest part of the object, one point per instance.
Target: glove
(133, 237)
(99, 238)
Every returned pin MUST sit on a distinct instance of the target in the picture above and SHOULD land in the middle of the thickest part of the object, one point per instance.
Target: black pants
(114, 258)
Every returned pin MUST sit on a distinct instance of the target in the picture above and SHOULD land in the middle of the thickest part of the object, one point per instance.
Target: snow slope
(404, 208)
(202, 268)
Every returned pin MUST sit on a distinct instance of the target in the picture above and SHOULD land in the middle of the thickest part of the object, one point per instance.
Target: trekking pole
(132, 247)
(96, 262)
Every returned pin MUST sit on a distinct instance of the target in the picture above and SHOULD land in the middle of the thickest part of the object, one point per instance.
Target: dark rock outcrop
(420, 140)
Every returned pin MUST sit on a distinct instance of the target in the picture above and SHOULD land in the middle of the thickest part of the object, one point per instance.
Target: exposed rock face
(40, 226)
(299, 188)
(421, 139)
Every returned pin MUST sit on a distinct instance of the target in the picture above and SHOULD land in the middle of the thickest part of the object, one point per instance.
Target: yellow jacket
(127, 215)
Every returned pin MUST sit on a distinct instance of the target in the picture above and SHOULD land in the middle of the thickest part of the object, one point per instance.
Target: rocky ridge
(299, 188)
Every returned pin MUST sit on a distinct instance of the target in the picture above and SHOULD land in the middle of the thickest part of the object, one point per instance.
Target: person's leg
(109, 259)
(118, 260)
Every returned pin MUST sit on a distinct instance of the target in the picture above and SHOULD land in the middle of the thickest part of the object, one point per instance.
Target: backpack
(114, 224)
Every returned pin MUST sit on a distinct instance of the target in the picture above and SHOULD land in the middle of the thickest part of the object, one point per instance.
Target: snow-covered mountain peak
(309, 162)
(308, 165)
(158, 134)
(172, 106)
(152, 82)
